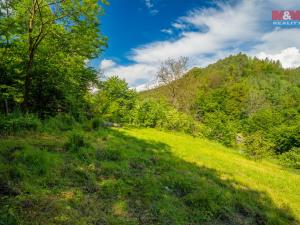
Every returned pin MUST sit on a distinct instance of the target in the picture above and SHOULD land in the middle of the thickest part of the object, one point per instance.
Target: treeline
(243, 102)
(116, 102)
(113, 104)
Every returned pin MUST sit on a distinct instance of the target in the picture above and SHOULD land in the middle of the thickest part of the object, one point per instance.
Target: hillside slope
(257, 75)
(138, 176)
(278, 183)
(241, 96)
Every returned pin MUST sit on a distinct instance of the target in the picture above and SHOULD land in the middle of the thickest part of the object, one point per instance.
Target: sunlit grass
(282, 185)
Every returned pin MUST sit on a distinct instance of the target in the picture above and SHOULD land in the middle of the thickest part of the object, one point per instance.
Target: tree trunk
(28, 80)
(6, 107)
(31, 50)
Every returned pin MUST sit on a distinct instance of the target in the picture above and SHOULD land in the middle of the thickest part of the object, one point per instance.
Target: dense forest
(78, 148)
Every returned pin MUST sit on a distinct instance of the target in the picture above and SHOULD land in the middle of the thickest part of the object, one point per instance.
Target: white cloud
(178, 25)
(107, 64)
(216, 33)
(167, 31)
(149, 4)
(226, 28)
(289, 57)
(278, 40)
(134, 74)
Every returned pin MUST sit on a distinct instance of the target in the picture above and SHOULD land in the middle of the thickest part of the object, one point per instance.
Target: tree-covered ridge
(239, 97)
(234, 69)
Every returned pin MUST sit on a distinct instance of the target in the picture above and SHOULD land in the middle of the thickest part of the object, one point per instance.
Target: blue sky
(142, 33)
(129, 24)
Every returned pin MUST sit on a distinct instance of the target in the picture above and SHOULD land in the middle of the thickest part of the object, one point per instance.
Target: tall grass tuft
(76, 142)
(17, 122)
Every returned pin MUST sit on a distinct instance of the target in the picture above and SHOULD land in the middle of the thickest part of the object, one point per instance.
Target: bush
(148, 113)
(178, 121)
(61, 122)
(220, 128)
(263, 120)
(258, 146)
(37, 161)
(286, 137)
(86, 154)
(114, 100)
(291, 158)
(96, 123)
(153, 113)
(76, 141)
(27, 161)
(17, 122)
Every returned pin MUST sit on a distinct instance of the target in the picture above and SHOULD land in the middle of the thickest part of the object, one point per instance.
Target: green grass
(280, 184)
(138, 176)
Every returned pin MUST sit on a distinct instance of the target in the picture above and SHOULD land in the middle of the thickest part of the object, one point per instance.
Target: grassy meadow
(138, 176)
(279, 183)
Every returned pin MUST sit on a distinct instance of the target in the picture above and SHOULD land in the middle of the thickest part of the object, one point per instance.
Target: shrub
(26, 162)
(61, 122)
(178, 121)
(291, 158)
(153, 113)
(258, 146)
(114, 100)
(96, 123)
(76, 141)
(286, 137)
(17, 122)
(37, 161)
(263, 120)
(220, 128)
(148, 113)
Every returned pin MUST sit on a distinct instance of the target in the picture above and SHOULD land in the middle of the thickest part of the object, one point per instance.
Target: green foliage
(257, 146)
(286, 137)
(153, 113)
(291, 158)
(97, 123)
(44, 46)
(16, 122)
(113, 100)
(263, 120)
(61, 122)
(177, 121)
(220, 128)
(149, 113)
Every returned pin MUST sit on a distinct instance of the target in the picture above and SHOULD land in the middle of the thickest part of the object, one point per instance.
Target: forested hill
(235, 75)
(239, 97)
